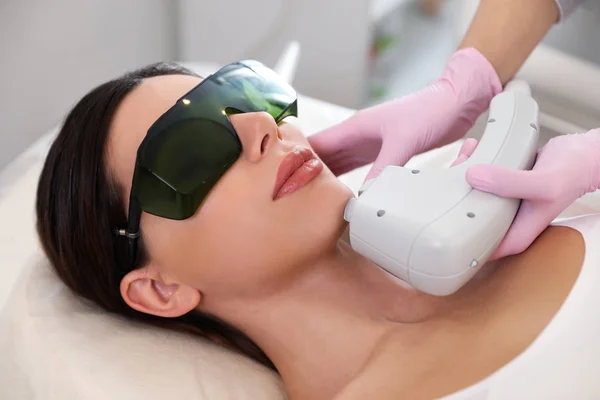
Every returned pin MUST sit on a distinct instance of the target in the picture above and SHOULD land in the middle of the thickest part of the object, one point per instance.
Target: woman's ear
(146, 292)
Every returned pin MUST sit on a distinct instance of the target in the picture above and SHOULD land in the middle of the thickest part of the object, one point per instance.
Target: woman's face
(241, 241)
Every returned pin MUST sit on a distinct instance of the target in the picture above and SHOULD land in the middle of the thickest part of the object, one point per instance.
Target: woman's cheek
(292, 134)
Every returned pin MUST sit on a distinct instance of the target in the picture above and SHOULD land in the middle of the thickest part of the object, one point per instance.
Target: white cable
(288, 62)
(277, 28)
(518, 86)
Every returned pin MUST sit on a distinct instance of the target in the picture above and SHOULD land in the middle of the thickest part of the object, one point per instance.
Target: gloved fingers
(324, 146)
(341, 155)
(336, 157)
(390, 154)
(341, 135)
(345, 164)
(507, 182)
(467, 148)
(530, 221)
(336, 161)
(367, 153)
(345, 161)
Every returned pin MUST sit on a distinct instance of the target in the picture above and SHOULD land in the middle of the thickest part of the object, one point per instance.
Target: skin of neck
(321, 330)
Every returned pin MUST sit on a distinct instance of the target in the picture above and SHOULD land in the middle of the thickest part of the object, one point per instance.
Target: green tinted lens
(181, 167)
(253, 87)
(191, 146)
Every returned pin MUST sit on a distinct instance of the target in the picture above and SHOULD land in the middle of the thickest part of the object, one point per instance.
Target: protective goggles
(193, 144)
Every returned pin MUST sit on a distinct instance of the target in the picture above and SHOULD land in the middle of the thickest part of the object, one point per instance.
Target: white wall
(333, 34)
(579, 35)
(53, 52)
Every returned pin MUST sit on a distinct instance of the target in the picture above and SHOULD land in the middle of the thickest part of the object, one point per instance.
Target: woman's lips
(297, 168)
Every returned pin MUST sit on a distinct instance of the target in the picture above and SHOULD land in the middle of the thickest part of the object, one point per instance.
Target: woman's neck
(321, 331)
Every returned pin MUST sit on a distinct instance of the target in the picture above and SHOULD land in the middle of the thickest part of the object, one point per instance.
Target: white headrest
(56, 345)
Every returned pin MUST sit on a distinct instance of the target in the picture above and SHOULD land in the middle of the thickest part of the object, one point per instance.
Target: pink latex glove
(566, 168)
(395, 131)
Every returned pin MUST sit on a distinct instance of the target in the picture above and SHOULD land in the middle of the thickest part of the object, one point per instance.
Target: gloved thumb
(466, 150)
(389, 155)
(530, 221)
(507, 182)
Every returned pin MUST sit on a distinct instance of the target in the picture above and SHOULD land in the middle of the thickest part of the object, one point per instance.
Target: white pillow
(55, 345)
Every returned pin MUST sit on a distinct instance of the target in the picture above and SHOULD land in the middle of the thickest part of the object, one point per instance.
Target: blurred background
(353, 53)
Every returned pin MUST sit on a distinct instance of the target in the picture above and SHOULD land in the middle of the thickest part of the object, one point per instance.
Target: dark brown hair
(79, 206)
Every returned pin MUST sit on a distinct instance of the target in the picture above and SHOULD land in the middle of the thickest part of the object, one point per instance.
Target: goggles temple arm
(132, 233)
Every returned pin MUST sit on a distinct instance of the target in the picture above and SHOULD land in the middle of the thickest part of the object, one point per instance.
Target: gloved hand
(566, 168)
(395, 131)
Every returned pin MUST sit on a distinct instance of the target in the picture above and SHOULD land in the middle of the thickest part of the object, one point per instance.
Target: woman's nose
(257, 132)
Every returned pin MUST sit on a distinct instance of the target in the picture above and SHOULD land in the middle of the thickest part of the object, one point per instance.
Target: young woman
(191, 204)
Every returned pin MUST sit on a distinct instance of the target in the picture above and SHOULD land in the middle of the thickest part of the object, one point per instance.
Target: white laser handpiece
(429, 227)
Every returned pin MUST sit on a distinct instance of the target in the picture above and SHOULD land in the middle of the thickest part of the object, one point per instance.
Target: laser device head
(429, 227)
